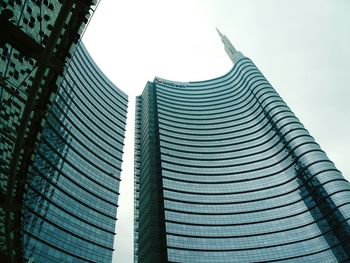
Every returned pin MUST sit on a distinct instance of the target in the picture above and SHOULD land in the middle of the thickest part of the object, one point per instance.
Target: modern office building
(225, 172)
(37, 39)
(70, 205)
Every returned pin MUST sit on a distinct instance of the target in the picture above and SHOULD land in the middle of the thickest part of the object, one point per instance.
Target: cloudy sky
(301, 46)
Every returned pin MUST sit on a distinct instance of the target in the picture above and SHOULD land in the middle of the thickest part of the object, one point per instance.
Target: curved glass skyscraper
(224, 172)
(69, 212)
(37, 40)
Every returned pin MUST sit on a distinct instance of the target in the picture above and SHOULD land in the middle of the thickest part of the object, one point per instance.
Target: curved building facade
(37, 40)
(70, 206)
(231, 175)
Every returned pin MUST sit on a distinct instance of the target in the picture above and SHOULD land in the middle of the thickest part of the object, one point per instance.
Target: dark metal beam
(50, 66)
(15, 37)
(43, 61)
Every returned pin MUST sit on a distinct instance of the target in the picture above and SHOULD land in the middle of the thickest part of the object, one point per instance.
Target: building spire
(229, 48)
(220, 34)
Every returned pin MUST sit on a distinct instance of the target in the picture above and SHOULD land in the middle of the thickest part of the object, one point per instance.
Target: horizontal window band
(74, 79)
(235, 85)
(85, 109)
(45, 219)
(241, 172)
(56, 247)
(181, 119)
(255, 234)
(234, 93)
(223, 120)
(93, 132)
(90, 91)
(260, 247)
(255, 200)
(73, 87)
(61, 173)
(264, 176)
(202, 166)
(83, 60)
(279, 153)
(207, 85)
(85, 123)
(178, 153)
(74, 165)
(309, 209)
(241, 142)
(242, 115)
(259, 210)
(264, 123)
(279, 259)
(69, 145)
(70, 213)
(71, 196)
(84, 56)
(243, 94)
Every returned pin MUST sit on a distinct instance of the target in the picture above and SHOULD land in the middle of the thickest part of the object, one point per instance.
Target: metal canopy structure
(37, 39)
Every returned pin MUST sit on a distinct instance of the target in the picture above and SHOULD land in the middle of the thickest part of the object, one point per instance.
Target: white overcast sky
(301, 46)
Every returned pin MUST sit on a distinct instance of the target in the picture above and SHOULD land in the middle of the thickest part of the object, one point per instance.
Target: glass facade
(70, 205)
(37, 40)
(231, 175)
